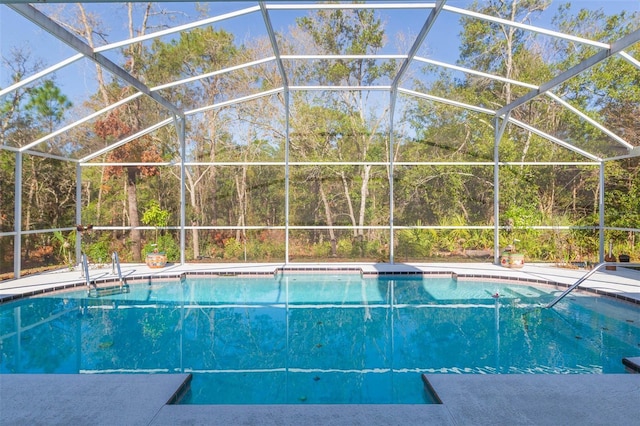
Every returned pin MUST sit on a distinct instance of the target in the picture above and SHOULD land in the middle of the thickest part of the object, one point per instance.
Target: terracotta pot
(504, 258)
(516, 260)
(512, 260)
(156, 260)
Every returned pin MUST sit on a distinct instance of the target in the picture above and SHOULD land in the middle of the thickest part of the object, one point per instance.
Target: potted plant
(511, 258)
(156, 217)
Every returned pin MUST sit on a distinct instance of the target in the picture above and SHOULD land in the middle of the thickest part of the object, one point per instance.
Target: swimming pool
(317, 339)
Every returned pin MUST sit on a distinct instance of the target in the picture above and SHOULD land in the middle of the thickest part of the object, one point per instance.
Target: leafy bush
(233, 249)
(416, 242)
(322, 250)
(165, 244)
(345, 247)
(100, 251)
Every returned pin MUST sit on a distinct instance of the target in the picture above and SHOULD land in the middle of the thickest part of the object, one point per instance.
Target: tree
(27, 114)
(113, 127)
(616, 84)
(200, 51)
(355, 32)
(48, 104)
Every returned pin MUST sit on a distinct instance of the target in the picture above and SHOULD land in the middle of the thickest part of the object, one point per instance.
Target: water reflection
(291, 340)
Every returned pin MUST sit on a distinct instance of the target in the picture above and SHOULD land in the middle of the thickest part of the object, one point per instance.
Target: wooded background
(340, 182)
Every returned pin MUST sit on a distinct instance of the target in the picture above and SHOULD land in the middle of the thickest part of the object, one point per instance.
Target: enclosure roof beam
(588, 119)
(413, 51)
(511, 120)
(336, 6)
(555, 140)
(46, 23)
(81, 121)
(633, 61)
(526, 27)
(235, 101)
(173, 30)
(127, 140)
(281, 89)
(530, 86)
(633, 152)
(40, 74)
(475, 72)
(616, 47)
(214, 73)
(37, 153)
(344, 57)
(446, 101)
(274, 43)
(342, 88)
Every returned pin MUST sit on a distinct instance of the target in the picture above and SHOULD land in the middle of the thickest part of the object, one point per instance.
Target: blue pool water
(319, 339)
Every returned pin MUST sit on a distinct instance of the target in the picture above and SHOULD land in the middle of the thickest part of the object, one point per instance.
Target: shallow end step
(632, 364)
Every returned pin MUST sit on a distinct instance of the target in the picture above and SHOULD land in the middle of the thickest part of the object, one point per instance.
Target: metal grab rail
(115, 267)
(577, 283)
(95, 291)
(85, 269)
(585, 277)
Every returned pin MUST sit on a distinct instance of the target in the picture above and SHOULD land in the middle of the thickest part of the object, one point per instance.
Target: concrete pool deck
(624, 282)
(612, 399)
(477, 400)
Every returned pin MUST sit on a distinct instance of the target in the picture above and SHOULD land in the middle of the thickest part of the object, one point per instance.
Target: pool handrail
(95, 291)
(584, 278)
(85, 269)
(115, 267)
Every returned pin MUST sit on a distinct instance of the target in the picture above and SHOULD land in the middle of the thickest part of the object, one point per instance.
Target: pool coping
(505, 274)
(467, 399)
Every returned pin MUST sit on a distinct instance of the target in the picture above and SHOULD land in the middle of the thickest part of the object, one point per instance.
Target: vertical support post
(17, 218)
(286, 173)
(499, 131)
(180, 129)
(392, 110)
(78, 211)
(601, 215)
(496, 194)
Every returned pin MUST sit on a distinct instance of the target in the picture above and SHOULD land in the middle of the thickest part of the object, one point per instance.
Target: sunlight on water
(337, 339)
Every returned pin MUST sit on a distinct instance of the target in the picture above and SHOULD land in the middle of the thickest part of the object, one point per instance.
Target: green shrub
(345, 247)
(322, 250)
(169, 246)
(233, 249)
(373, 248)
(416, 242)
(100, 251)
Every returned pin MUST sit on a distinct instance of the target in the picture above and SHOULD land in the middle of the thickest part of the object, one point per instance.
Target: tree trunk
(327, 212)
(134, 217)
(352, 215)
(87, 32)
(195, 235)
(364, 194)
(241, 189)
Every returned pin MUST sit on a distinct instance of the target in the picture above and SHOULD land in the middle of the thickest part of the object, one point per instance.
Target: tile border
(317, 270)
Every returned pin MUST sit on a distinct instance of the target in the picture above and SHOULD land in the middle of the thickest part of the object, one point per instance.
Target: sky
(78, 80)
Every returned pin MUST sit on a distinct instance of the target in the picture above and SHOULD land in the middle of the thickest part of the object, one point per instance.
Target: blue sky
(77, 80)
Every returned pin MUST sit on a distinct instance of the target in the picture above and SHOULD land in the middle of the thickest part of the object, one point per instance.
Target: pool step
(108, 291)
(528, 292)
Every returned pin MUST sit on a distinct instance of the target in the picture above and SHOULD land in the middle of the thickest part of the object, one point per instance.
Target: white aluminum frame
(177, 117)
